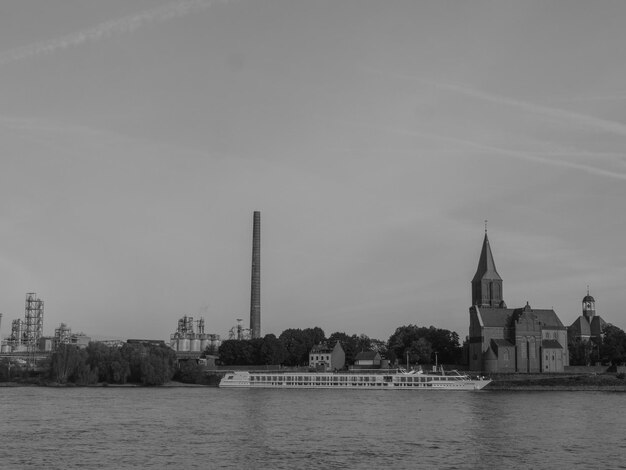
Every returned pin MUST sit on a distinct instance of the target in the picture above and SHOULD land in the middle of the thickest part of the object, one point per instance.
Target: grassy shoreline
(537, 382)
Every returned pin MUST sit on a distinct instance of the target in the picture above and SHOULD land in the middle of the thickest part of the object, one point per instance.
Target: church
(502, 339)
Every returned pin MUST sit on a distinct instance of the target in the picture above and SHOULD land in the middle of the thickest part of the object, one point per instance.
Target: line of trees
(144, 364)
(292, 347)
(140, 364)
(98, 363)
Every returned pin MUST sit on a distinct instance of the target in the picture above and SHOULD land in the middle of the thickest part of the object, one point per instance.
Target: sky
(137, 137)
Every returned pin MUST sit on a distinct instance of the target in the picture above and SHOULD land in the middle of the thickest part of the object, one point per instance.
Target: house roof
(322, 348)
(551, 344)
(367, 356)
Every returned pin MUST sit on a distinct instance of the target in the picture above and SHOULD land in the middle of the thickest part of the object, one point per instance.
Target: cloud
(127, 24)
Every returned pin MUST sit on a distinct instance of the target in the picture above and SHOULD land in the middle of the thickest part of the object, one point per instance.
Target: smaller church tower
(589, 306)
(487, 283)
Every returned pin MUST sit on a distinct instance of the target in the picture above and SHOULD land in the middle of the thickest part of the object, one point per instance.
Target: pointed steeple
(487, 283)
(486, 265)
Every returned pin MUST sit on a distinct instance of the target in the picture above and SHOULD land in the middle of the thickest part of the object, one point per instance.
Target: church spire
(487, 283)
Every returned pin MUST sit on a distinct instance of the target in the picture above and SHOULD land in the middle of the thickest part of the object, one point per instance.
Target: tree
(420, 351)
(298, 343)
(107, 363)
(149, 364)
(444, 342)
(613, 346)
(237, 352)
(272, 350)
(190, 372)
(66, 361)
(580, 352)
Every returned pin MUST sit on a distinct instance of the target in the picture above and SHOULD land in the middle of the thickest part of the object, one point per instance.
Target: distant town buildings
(511, 340)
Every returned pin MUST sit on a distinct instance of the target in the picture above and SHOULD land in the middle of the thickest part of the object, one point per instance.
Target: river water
(88, 428)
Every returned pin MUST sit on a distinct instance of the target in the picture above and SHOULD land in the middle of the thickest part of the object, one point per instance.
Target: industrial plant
(26, 340)
(190, 341)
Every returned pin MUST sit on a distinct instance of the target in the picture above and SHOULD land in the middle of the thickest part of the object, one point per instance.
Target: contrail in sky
(538, 157)
(127, 24)
(559, 115)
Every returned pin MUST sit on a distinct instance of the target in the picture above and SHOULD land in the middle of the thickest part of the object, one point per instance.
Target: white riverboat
(368, 380)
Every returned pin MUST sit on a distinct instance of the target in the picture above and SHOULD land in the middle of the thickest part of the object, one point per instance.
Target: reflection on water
(288, 429)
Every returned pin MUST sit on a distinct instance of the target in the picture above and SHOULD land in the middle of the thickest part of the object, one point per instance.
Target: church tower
(487, 283)
(589, 306)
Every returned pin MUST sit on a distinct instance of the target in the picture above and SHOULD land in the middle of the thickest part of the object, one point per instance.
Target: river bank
(554, 382)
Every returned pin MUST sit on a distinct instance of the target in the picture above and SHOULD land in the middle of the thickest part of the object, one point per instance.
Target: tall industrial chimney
(255, 292)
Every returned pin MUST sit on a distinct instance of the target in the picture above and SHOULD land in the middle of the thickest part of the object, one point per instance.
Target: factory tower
(255, 291)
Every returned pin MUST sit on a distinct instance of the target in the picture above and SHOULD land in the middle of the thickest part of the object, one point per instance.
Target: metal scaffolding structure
(26, 333)
(33, 319)
(62, 335)
(239, 332)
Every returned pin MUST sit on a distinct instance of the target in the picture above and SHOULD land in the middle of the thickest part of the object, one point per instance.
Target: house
(325, 358)
(502, 339)
(367, 360)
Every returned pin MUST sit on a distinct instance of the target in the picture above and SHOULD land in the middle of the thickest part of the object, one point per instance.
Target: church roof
(495, 317)
(486, 266)
(551, 344)
(580, 327)
(547, 317)
(503, 317)
(597, 325)
(502, 343)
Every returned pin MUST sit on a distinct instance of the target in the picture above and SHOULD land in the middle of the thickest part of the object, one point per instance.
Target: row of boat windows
(321, 379)
(349, 379)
